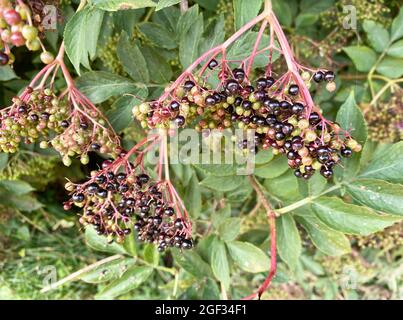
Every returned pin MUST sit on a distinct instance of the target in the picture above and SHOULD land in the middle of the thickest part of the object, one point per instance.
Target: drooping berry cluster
(31, 117)
(115, 201)
(273, 108)
(72, 129)
(18, 29)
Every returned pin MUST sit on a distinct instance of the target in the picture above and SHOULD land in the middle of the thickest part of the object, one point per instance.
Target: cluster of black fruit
(276, 113)
(116, 203)
(31, 117)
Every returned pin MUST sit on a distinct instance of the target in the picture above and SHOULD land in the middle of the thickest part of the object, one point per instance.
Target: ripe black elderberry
(212, 64)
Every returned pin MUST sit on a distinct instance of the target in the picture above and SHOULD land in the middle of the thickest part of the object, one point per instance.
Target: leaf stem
(79, 273)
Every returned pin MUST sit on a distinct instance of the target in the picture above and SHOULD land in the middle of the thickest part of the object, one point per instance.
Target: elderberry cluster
(41, 115)
(116, 203)
(32, 116)
(273, 109)
(17, 29)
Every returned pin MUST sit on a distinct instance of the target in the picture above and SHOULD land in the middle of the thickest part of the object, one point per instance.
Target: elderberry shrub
(39, 115)
(116, 202)
(18, 28)
(277, 114)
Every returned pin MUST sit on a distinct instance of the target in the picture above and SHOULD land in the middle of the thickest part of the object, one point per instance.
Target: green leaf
(245, 11)
(386, 165)
(243, 47)
(288, 240)
(130, 245)
(16, 187)
(350, 218)
(306, 19)
(396, 49)
(222, 184)
(189, 42)
(114, 5)
(363, 57)
(283, 12)
(158, 35)
(351, 119)
(130, 280)
(108, 271)
(377, 35)
(330, 242)
(132, 59)
(192, 263)
(229, 228)
(397, 26)
(219, 170)
(285, 186)
(3, 160)
(21, 202)
(214, 34)
(120, 113)
(313, 186)
(157, 65)
(193, 197)
(100, 243)
(377, 194)
(248, 257)
(151, 254)
(81, 36)
(219, 262)
(391, 67)
(273, 169)
(7, 73)
(166, 3)
(99, 86)
(264, 156)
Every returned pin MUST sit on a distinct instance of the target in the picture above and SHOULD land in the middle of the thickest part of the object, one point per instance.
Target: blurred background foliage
(40, 243)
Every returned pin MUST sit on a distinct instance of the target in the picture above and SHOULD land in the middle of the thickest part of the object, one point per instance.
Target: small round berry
(346, 152)
(314, 118)
(29, 32)
(3, 58)
(179, 121)
(239, 74)
(270, 81)
(210, 100)
(212, 64)
(188, 85)
(47, 57)
(102, 193)
(261, 83)
(293, 90)
(174, 106)
(169, 211)
(327, 173)
(297, 108)
(78, 197)
(17, 39)
(143, 178)
(187, 244)
(318, 76)
(232, 86)
(64, 124)
(178, 223)
(11, 16)
(95, 146)
(329, 76)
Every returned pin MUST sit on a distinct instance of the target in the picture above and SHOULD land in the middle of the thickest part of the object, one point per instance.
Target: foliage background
(139, 51)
